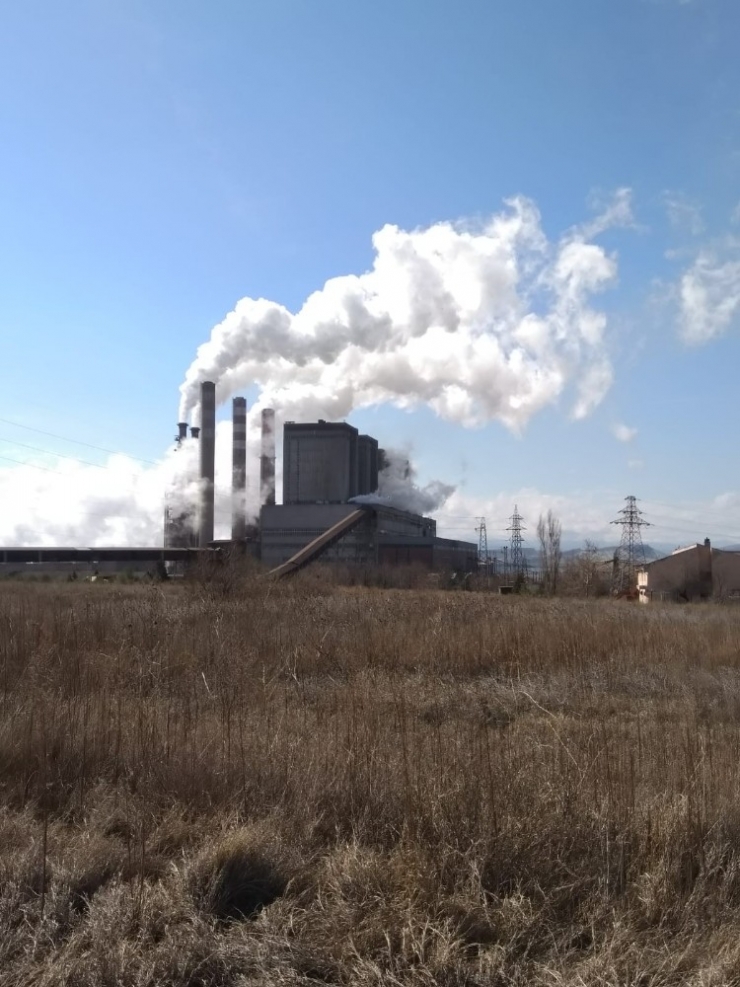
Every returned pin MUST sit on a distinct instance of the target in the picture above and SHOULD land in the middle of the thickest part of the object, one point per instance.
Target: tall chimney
(239, 469)
(207, 461)
(182, 431)
(267, 458)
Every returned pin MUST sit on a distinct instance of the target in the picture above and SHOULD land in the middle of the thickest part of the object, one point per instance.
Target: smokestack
(194, 431)
(267, 458)
(207, 461)
(239, 469)
(182, 431)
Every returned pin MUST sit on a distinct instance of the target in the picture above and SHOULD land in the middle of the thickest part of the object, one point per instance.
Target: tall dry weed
(291, 784)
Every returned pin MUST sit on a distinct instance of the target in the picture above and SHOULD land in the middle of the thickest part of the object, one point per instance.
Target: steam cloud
(482, 323)
(397, 487)
(479, 324)
(53, 501)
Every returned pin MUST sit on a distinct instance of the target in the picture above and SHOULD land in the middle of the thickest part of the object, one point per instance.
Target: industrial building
(330, 507)
(91, 561)
(697, 572)
(180, 520)
(330, 483)
(329, 471)
(192, 525)
(327, 463)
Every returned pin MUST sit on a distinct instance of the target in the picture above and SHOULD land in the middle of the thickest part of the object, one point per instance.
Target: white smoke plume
(54, 501)
(59, 501)
(397, 487)
(479, 324)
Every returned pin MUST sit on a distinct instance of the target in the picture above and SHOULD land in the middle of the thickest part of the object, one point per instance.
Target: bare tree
(585, 573)
(590, 567)
(549, 531)
(542, 536)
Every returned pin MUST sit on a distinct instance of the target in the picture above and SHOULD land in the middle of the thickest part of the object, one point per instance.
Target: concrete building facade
(327, 463)
(434, 553)
(319, 463)
(286, 529)
(697, 572)
(325, 466)
(367, 464)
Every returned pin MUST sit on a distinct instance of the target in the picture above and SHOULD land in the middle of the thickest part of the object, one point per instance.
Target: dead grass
(289, 785)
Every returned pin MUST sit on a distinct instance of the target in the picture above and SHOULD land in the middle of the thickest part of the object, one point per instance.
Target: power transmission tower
(482, 543)
(631, 551)
(517, 561)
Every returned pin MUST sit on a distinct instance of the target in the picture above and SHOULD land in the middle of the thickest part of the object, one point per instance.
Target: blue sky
(162, 160)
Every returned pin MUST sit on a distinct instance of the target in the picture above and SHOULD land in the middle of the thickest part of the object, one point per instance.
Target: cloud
(614, 211)
(623, 433)
(708, 293)
(481, 323)
(683, 214)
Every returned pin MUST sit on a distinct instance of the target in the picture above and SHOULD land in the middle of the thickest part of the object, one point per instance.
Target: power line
(693, 531)
(60, 455)
(222, 513)
(79, 442)
(57, 455)
(33, 466)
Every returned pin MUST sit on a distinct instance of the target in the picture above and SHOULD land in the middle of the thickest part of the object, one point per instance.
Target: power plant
(330, 506)
(239, 471)
(333, 508)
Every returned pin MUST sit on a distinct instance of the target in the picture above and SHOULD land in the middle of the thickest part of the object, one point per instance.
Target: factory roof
(106, 553)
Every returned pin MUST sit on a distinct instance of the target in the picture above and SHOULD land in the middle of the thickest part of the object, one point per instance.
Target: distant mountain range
(655, 551)
(532, 555)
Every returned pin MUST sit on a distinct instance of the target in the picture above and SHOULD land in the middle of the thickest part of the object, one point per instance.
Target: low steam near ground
(480, 323)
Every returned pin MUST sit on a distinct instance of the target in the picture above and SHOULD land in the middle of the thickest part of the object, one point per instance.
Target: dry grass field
(290, 785)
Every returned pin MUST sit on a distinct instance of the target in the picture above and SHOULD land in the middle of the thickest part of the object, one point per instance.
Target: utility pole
(516, 554)
(631, 551)
(482, 543)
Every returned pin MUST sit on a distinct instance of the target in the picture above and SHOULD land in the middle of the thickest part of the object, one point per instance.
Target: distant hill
(532, 555)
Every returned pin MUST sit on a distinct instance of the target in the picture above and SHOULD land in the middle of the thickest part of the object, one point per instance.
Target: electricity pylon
(517, 562)
(631, 551)
(482, 543)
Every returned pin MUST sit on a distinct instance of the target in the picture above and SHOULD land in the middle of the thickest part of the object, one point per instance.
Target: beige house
(698, 572)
